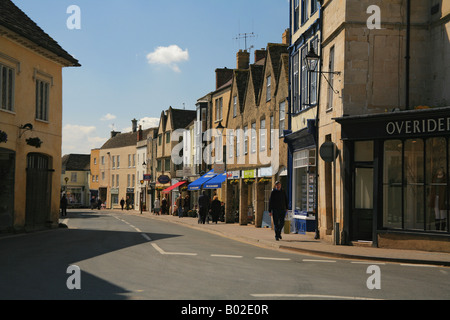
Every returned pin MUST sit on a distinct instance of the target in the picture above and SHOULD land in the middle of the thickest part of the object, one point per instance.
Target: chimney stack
(139, 134)
(242, 59)
(286, 37)
(134, 125)
(260, 54)
(223, 76)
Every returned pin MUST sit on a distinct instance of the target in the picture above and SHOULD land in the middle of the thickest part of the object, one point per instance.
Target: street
(124, 256)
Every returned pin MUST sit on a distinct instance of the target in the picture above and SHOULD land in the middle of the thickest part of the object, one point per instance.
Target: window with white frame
(253, 137)
(7, 80)
(238, 142)
(304, 79)
(234, 106)
(245, 139)
(330, 80)
(269, 88)
(272, 133)
(42, 99)
(282, 117)
(295, 84)
(219, 105)
(313, 76)
(262, 135)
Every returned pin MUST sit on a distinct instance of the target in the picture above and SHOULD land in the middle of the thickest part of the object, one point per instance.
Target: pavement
(305, 243)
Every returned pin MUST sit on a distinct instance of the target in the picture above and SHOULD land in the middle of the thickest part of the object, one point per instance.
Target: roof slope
(76, 162)
(14, 19)
(125, 139)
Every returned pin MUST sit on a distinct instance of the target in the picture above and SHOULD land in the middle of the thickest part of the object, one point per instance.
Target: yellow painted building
(30, 122)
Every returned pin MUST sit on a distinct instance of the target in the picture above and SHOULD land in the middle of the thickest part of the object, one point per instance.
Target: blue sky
(139, 57)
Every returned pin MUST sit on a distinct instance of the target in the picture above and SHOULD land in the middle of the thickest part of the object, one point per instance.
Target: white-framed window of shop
(303, 182)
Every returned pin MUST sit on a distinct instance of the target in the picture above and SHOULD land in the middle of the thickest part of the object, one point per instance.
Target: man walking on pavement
(278, 205)
(203, 203)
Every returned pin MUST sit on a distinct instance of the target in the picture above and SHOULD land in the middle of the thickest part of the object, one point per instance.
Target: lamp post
(312, 60)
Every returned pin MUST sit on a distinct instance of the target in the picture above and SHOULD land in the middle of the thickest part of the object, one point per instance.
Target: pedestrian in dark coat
(203, 204)
(278, 206)
(122, 203)
(63, 205)
(216, 208)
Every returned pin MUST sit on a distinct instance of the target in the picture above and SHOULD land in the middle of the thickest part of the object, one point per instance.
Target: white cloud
(169, 56)
(108, 117)
(80, 139)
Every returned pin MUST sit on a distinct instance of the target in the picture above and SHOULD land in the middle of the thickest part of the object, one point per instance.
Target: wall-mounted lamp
(25, 128)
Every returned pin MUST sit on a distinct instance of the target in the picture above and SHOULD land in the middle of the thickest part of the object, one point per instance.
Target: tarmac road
(125, 256)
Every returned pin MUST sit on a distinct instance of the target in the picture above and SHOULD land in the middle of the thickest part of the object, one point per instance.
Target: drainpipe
(316, 202)
(408, 46)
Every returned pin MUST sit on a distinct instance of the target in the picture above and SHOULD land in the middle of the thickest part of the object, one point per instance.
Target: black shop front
(396, 178)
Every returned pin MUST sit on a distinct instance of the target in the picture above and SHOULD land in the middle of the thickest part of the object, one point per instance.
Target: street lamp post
(312, 60)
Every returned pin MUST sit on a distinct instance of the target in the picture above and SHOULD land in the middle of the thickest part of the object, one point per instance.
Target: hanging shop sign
(328, 151)
(163, 179)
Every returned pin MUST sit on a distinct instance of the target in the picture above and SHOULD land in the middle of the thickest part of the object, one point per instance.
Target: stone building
(386, 116)
(255, 154)
(31, 64)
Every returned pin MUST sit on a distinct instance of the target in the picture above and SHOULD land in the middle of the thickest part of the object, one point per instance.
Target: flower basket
(234, 181)
(34, 142)
(249, 181)
(264, 180)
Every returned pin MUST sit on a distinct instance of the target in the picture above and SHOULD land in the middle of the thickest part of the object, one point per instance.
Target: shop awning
(174, 186)
(216, 182)
(197, 184)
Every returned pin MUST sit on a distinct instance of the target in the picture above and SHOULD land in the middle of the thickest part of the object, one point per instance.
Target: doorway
(362, 213)
(38, 191)
(7, 168)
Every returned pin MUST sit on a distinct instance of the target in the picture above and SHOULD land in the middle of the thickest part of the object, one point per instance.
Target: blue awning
(216, 182)
(197, 184)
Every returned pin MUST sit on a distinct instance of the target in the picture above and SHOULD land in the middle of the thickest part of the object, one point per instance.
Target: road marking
(275, 259)
(312, 260)
(320, 296)
(225, 256)
(418, 265)
(161, 251)
(146, 237)
(368, 262)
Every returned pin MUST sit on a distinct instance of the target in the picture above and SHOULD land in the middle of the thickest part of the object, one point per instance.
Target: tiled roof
(182, 118)
(125, 139)
(15, 20)
(76, 162)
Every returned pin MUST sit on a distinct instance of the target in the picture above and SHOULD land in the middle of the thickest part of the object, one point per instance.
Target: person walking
(63, 205)
(186, 204)
(278, 206)
(179, 205)
(216, 207)
(93, 202)
(157, 207)
(164, 205)
(203, 204)
(122, 203)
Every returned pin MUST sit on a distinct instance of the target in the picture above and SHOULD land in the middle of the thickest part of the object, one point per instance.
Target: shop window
(304, 180)
(414, 180)
(415, 184)
(392, 184)
(437, 188)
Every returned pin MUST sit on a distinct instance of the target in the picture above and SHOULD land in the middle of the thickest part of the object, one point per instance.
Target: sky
(139, 57)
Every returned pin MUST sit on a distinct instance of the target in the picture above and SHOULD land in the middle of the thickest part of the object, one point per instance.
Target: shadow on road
(34, 266)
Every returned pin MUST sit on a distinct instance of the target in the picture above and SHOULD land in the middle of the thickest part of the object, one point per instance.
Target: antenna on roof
(245, 36)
